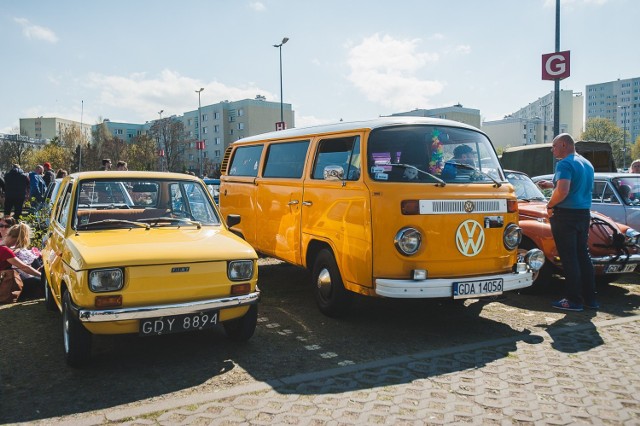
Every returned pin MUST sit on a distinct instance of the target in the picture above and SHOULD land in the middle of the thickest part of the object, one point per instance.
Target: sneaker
(566, 305)
(592, 305)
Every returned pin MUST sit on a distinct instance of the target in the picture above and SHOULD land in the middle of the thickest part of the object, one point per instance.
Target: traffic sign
(555, 66)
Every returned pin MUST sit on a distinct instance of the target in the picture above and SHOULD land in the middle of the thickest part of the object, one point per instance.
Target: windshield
(423, 153)
(628, 188)
(123, 202)
(525, 188)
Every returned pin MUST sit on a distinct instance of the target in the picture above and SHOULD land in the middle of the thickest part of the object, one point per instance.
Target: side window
(338, 155)
(285, 160)
(598, 191)
(245, 161)
(65, 207)
(609, 196)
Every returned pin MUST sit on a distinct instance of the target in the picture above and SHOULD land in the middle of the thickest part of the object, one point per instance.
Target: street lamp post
(199, 145)
(160, 113)
(279, 46)
(624, 135)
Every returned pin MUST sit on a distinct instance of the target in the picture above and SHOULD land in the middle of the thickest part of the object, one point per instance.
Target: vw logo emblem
(470, 238)
(469, 206)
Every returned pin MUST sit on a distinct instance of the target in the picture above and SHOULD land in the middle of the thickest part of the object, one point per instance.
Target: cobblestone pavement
(584, 373)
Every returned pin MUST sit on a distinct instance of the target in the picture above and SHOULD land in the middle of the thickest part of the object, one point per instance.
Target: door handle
(307, 203)
(293, 202)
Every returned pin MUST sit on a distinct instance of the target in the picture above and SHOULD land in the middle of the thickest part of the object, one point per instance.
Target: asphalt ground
(299, 354)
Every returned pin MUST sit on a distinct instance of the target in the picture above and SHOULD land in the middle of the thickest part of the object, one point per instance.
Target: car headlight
(512, 236)
(535, 259)
(632, 236)
(408, 241)
(239, 270)
(101, 280)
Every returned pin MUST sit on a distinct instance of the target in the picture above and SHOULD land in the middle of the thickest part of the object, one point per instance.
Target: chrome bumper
(615, 260)
(123, 314)
(443, 287)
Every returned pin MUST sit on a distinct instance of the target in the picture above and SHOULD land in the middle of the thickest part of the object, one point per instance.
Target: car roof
(353, 126)
(133, 175)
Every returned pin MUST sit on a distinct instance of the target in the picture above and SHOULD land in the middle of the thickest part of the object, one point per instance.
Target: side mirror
(233, 219)
(333, 173)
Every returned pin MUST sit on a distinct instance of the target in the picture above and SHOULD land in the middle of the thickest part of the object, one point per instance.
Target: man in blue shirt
(570, 216)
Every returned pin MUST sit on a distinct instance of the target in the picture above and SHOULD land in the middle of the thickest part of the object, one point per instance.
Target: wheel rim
(324, 283)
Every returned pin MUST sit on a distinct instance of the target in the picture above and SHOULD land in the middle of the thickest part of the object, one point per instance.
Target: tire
(77, 340)
(49, 301)
(241, 329)
(331, 296)
(543, 279)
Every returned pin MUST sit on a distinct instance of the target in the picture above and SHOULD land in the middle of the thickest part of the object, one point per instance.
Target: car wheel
(49, 302)
(331, 296)
(241, 329)
(543, 279)
(77, 340)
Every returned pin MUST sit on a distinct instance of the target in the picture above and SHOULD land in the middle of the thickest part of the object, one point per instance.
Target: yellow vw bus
(399, 207)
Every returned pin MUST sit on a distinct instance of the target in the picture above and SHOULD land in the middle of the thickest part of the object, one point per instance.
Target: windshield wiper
(155, 221)
(468, 167)
(409, 166)
(100, 223)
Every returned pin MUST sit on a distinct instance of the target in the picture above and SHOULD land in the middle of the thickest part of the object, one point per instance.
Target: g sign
(555, 66)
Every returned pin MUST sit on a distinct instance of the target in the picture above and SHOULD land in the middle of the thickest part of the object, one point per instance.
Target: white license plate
(178, 323)
(615, 269)
(465, 289)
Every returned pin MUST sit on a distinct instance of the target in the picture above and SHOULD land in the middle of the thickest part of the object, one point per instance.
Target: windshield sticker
(377, 169)
(437, 154)
(381, 176)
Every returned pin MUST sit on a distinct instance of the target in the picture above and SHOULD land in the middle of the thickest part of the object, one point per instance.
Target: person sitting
(6, 222)
(29, 256)
(9, 260)
(462, 154)
(625, 193)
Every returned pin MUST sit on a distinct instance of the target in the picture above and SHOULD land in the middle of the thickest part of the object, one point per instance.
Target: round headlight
(535, 259)
(633, 236)
(512, 236)
(408, 241)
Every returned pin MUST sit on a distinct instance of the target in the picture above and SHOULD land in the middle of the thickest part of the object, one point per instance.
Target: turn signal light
(108, 301)
(410, 207)
(241, 288)
(512, 206)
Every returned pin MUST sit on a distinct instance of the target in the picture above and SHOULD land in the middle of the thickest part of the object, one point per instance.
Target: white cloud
(170, 91)
(384, 69)
(463, 48)
(36, 32)
(257, 6)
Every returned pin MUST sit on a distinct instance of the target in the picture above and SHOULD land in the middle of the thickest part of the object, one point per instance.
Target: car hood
(538, 210)
(155, 246)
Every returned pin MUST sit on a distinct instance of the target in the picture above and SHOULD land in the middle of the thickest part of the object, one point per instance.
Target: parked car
(614, 247)
(616, 195)
(145, 253)
(213, 185)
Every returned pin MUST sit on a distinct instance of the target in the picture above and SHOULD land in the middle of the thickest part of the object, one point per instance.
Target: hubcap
(324, 283)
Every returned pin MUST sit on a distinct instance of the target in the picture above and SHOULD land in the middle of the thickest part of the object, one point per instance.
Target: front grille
(458, 206)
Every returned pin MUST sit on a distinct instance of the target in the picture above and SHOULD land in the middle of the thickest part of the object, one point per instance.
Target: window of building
(218, 141)
(205, 130)
(286, 160)
(240, 126)
(217, 153)
(216, 128)
(189, 122)
(230, 131)
(216, 115)
(240, 112)
(205, 117)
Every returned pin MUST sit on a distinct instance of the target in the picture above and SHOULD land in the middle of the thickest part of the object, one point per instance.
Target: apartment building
(619, 101)
(456, 112)
(51, 127)
(534, 123)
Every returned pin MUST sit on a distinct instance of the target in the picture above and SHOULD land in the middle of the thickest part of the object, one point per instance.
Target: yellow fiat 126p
(399, 207)
(146, 253)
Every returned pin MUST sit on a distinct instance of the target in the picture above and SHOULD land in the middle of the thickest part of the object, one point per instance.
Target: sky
(344, 60)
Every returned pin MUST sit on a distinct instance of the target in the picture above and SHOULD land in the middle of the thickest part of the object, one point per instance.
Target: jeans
(570, 228)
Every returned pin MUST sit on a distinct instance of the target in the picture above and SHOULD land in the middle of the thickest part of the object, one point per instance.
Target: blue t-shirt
(579, 171)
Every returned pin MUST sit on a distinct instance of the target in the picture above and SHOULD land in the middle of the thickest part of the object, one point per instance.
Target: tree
(605, 130)
(143, 154)
(170, 136)
(15, 152)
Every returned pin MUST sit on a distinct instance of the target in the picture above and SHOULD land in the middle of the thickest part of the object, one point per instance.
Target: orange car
(613, 246)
